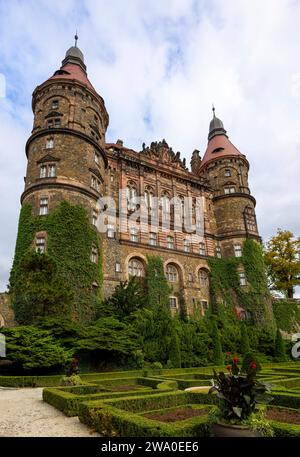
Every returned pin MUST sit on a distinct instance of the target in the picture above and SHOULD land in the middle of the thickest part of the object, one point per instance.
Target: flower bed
(127, 416)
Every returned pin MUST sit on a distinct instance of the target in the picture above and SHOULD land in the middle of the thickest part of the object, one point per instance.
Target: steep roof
(218, 143)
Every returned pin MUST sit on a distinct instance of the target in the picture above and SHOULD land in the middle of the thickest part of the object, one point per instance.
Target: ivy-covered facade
(71, 167)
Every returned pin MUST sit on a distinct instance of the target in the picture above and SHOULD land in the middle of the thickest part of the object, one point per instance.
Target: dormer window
(218, 150)
(55, 104)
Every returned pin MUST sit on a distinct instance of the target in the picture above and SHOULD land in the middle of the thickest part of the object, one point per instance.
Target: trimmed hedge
(30, 381)
(287, 399)
(67, 399)
(116, 418)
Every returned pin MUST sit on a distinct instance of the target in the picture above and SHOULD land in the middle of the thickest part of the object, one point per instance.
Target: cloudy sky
(159, 65)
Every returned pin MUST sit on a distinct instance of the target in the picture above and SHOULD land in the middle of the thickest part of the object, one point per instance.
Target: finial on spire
(213, 109)
(76, 39)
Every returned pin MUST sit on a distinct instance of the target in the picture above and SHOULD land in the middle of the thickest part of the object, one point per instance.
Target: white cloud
(167, 62)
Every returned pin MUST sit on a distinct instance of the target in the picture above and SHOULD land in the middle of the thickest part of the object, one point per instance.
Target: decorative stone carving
(161, 151)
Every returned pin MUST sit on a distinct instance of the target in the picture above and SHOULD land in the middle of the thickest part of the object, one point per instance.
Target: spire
(75, 56)
(216, 126)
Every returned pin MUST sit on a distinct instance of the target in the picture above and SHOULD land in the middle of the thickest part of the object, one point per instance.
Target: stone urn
(229, 430)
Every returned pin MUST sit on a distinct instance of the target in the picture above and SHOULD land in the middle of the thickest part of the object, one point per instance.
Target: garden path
(23, 413)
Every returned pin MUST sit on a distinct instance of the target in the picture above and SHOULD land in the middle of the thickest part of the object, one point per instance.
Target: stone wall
(6, 311)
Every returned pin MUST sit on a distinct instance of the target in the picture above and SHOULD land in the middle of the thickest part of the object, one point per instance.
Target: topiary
(73, 380)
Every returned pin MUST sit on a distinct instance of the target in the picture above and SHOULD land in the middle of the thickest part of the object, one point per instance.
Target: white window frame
(44, 206)
(110, 231)
(238, 250)
(243, 280)
(94, 254)
(170, 242)
(187, 245)
(50, 143)
(55, 104)
(153, 239)
(40, 244)
(118, 267)
(136, 268)
(134, 235)
(202, 248)
(173, 302)
(172, 273)
(94, 217)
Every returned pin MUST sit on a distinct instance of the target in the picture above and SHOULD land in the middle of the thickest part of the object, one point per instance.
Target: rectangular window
(43, 206)
(153, 239)
(55, 104)
(94, 254)
(190, 276)
(50, 143)
(95, 183)
(50, 124)
(187, 246)
(94, 217)
(218, 252)
(40, 244)
(51, 171)
(227, 173)
(243, 281)
(110, 231)
(229, 190)
(118, 267)
(134, 235)
(204, 305)
(43, 171)
(238, 250)
(170, 242)
(173, 302)
(202, 250)
(56, 123)
(97, 157)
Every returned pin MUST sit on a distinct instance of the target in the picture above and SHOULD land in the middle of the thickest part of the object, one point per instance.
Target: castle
(70, 161)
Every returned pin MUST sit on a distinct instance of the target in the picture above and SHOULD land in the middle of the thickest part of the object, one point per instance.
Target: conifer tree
(217, 355)
(245, 346)
(279, 352)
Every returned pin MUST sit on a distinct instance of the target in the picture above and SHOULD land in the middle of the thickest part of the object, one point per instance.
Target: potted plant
(238, 394)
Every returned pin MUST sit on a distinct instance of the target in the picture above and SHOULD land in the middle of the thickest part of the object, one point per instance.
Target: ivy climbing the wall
(225, 287)
(69, 241)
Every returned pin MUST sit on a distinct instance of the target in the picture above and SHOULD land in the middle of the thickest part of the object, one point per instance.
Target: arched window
(136, 268)
(203, 278)
(172, 273)
(131, 196)
(149, 200)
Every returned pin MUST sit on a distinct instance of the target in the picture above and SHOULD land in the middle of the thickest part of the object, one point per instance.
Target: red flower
(253, 366)
(235, 360)
(228, 367)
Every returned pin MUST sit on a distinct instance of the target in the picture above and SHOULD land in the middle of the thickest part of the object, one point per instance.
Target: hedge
(67, 399)
(115, 418)
(30, 381)
(288, 399)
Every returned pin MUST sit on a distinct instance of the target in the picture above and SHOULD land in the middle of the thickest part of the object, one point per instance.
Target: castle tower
(66, 164)
(226, 169)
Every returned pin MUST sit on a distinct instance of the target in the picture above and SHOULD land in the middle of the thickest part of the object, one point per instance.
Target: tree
(279, 351)
(38, 291)
(245, 346)
(217, 355)
(282, 257)
(128, 297)
(174, 354)
(33, 348)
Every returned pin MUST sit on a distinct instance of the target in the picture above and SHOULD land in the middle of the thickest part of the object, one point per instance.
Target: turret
(226, 169)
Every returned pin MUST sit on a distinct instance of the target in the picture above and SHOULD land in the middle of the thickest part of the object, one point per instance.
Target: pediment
(53, 114)
(48, 158)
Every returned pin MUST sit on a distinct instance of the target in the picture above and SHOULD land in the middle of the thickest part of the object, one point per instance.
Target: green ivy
(287, 315)
(70, 238)
(225, 285)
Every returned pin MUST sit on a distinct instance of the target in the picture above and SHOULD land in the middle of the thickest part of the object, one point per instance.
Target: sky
(160, 65)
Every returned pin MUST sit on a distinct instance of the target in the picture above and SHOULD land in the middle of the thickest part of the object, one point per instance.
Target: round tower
(66, 157)
(226, 169)
(64, 179)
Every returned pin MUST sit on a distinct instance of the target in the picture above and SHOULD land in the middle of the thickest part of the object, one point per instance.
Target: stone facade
(6, 311)
(68, 159)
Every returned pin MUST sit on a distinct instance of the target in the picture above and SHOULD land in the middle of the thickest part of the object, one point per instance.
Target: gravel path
(23, 413)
